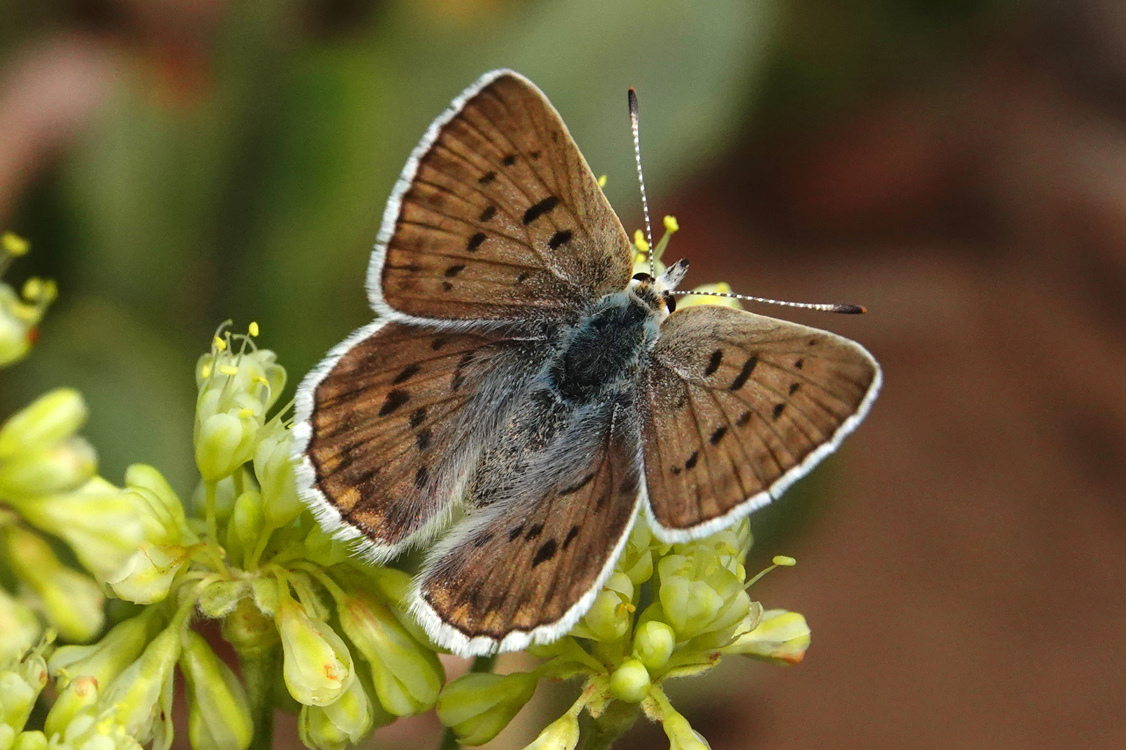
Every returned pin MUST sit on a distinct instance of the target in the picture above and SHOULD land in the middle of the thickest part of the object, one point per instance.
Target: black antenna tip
(632, 101)
(850, 309)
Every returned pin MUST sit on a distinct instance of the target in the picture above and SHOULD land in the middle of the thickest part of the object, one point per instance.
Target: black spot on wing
(418, 416)
(541, 208)
(743, 419)
(544, 553)
(488, 213)
(794, 388)
(799, 364)
(396, 397)
(453, 271)
(718, 434)
(488, 177)
(535, 155)
(691, 462)
(438, 342)
(713, 363)
(574, 532)
(447, 286)
(422, 439)
(421, 477)
(778, 409)
(515, 532)
(534, 532)
(559, 238)
(406, 374)
(522, 276)
(509, 160)
(741, 379)
(475, 242)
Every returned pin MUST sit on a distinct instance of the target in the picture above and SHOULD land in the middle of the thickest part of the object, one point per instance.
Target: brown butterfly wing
(522, 575)
(738, 407)
(497, 216)
(385, 425)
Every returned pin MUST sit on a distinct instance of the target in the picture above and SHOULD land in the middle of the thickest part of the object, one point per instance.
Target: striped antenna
(822, 306)
(640, 177)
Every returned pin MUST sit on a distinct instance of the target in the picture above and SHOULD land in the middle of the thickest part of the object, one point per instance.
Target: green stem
(603, 732)
(480, 664)
(260, 673)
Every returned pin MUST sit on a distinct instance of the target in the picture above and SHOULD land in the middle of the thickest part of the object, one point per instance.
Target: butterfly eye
(670, 302)
(642, 277)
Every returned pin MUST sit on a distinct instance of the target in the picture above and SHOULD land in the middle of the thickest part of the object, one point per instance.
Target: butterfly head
(657, 292)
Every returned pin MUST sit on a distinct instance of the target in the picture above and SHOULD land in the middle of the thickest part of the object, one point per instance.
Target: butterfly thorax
(602, 352)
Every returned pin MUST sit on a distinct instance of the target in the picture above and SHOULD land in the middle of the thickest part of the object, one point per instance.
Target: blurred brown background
(958, 166)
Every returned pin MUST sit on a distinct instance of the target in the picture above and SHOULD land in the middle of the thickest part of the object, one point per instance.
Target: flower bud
(698, 593)
(317, 666)
(249, 630)
(71, 601)
(245, 526)
(630, 682)
(654, 643)
(19, 628)
(406, 675)
(54, 416)
(78, 694)
(608, 618)
(781, 637)
(140, 698)
(147, 575)
(273, 465)
(478, 705)
(225, 442)
(162, 501)
(20, 685)
(340, 724)
(41, 471)
(681, 734)
(105, 659)
(218, 709)
(101, 523)
(561, 734)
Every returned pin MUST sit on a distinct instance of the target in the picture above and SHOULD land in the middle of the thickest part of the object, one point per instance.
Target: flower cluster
(242, 550)
(698, 611)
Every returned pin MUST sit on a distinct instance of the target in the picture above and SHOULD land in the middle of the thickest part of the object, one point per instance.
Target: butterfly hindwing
(737, 407)
(387, 423)
(524, 571)
(497, 216)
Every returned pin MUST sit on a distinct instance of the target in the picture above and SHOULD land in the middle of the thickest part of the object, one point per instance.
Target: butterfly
(517, 375)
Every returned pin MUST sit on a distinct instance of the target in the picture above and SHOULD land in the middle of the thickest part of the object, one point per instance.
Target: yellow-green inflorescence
(313, 631)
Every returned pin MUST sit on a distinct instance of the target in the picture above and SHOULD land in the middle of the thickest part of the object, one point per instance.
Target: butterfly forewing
(522, 572)
(499, 217)
(738, 406)
(389, 418)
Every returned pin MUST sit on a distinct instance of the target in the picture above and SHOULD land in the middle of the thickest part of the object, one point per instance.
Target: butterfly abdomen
(603, 352)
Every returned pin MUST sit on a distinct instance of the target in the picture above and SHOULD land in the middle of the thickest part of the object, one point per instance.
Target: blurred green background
(959, 166)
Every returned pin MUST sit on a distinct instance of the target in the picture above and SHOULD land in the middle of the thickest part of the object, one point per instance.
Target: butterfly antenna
(823, 307)
(641, 177)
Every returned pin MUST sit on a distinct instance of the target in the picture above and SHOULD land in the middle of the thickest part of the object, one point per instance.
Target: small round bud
(654, 644)
(630, 682)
